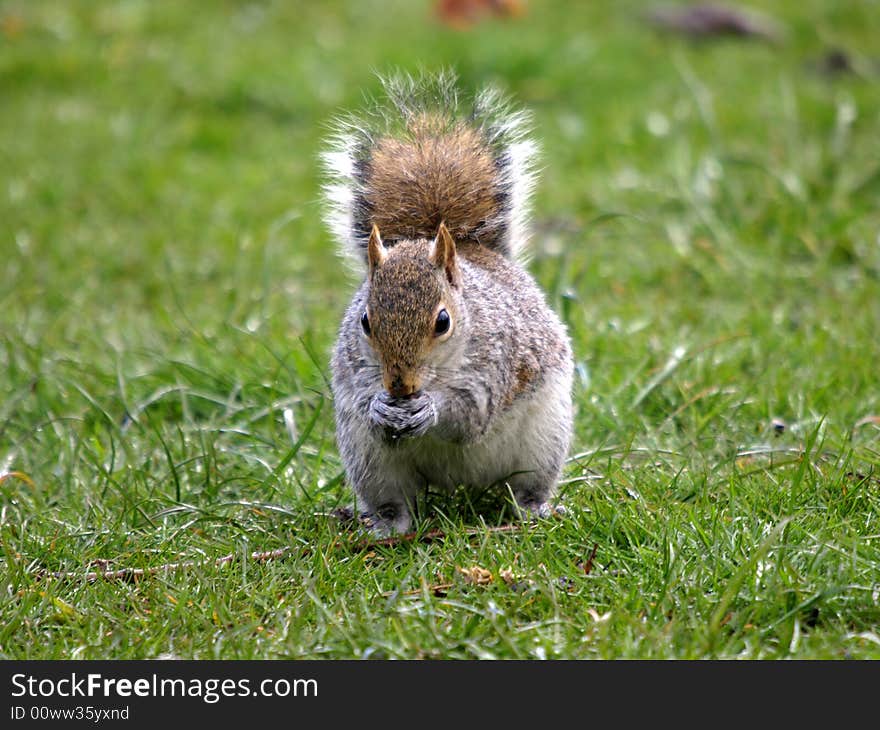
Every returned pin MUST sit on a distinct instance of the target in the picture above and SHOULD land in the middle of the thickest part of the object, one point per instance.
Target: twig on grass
(134, 574)
(127, 575)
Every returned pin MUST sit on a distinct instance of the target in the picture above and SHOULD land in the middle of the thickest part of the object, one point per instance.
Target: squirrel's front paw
(403, 417)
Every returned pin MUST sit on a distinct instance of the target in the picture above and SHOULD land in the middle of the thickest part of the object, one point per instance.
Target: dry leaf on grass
(508, 576)
(515, 581)
(462, 14)
(598, 617)
(587, 566)
(476, 575)
(706, 20)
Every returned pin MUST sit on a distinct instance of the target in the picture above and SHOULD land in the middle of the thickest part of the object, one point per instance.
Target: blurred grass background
(706, 223)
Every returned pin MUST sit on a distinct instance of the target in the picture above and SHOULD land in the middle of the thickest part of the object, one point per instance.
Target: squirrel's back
(422, 157)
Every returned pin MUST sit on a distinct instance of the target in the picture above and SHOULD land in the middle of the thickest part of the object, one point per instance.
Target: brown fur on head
(439, 171)
(409, 285)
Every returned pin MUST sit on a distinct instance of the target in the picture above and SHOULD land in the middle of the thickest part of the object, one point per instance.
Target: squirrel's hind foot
(541, 510)
(387, 520)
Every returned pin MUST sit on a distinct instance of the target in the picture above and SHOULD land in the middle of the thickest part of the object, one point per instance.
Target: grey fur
(474, 423)
(488, 402)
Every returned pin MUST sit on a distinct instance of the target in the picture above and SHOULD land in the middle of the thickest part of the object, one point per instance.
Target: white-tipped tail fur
(421, 156)
(339, 194)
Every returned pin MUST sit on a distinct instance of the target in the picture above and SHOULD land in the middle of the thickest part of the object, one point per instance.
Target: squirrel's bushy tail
(422, 156)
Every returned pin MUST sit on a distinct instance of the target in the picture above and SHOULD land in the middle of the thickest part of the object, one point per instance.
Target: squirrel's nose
(399, 384)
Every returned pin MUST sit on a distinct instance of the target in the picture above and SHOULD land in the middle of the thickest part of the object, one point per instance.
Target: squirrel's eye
(365, 323)
(441, 326)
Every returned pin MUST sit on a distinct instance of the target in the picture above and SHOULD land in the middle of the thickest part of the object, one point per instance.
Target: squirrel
(450, 369)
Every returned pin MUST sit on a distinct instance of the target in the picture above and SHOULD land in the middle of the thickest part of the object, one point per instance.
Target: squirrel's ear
(376, 251)
(443, 254)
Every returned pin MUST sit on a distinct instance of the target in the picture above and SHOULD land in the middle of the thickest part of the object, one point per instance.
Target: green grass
(707, 224)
